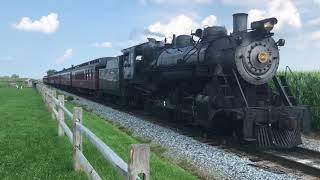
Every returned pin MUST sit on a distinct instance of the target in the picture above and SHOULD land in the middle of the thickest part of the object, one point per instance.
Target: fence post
(46, 96)
(52, 104)
(77, 138)
(139, 161)
(60, 115)
(54, 93)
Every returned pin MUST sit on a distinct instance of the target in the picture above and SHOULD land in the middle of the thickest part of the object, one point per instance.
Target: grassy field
(119, 141)
(306, 88)
(31, 149)
(29, 145)
(5, 81)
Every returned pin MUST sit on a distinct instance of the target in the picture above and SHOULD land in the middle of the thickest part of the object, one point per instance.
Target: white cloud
(67, 55)
(256, 14)
(103, 45)
(177, 2)
(244, 2)
(46, 24)
(284, 10)
(314, 22)
(209, 21)
(317, 2)
(178, 25)
(315, 36)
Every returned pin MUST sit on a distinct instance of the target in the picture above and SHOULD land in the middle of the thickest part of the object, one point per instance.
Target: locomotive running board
(277, 138)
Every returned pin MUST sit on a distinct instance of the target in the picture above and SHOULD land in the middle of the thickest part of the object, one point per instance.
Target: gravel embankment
(207, 160)
(310, 143)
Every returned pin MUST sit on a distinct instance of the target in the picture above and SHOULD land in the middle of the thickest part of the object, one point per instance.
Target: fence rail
(138, 153)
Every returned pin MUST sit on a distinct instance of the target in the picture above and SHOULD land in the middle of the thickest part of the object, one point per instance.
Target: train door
(139, 66)
(128, 63)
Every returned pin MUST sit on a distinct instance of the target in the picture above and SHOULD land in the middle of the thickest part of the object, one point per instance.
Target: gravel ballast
(310, 143)
(209, 161)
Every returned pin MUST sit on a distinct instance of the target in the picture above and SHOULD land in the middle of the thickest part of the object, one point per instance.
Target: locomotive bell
(198, 33)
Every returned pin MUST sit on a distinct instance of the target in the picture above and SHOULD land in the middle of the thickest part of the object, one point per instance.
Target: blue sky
(41, 35)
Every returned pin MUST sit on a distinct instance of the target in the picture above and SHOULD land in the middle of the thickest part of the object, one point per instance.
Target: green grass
(29, 145)
(306, 88)
(5, 81)
(119, 141)
(31, 149)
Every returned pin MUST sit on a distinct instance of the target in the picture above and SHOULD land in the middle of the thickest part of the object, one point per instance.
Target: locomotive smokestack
(240, 22)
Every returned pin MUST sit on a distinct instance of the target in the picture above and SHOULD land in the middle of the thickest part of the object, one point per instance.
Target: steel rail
(305, 160)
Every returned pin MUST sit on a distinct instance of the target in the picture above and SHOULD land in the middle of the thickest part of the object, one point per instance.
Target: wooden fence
(138, 153)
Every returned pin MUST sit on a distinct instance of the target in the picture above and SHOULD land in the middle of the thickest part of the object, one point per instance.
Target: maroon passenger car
(86, 75)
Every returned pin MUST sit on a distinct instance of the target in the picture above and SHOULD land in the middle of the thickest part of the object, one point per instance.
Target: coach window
(139, 58)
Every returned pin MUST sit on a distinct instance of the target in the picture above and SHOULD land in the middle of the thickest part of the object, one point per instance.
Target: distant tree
(15, 76)
(51, 71)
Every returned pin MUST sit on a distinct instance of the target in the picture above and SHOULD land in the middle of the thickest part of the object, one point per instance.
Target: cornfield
(305, 87)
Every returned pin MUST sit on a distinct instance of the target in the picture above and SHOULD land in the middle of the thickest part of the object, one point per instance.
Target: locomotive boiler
(225, 83)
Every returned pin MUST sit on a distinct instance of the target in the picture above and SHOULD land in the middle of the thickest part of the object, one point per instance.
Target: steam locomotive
(224, 83)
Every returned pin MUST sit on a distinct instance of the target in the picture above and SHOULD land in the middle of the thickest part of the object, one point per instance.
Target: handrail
(287, 69)
(296, 81)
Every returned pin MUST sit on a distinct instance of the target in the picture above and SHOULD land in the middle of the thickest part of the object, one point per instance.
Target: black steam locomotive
(224, 83)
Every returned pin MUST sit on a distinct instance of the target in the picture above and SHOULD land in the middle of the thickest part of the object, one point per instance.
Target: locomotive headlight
(268, 26)
(264, 25)
(263, 57)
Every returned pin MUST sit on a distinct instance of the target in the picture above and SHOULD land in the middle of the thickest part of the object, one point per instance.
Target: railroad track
(301, 159)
